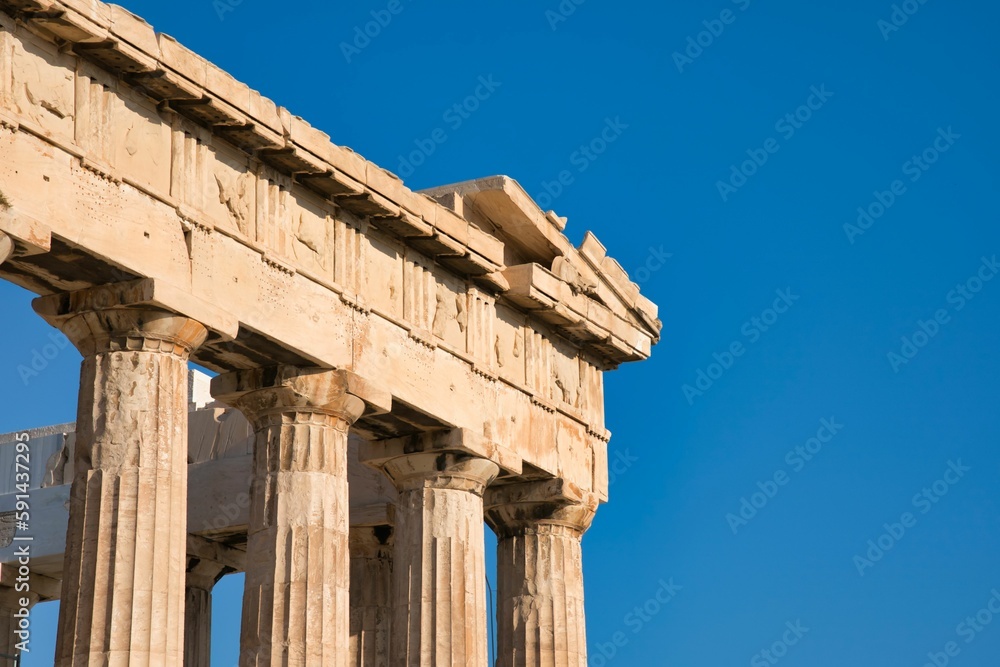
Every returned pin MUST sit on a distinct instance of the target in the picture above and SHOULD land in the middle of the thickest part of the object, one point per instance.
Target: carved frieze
(190, 165)
(43, 86)
(234, 194)
(420, 294)
(350, 256)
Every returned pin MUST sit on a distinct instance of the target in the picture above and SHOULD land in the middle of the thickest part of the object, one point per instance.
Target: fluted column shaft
(197, 627)
(371, 595)
(201, 579)
(123, 573)
(540, 605)
(296, 606)
(439, 569)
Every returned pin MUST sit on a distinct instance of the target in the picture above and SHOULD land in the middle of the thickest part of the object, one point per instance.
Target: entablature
(263, 162)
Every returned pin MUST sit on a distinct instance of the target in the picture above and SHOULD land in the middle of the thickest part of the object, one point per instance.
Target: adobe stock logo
(786, 126)
(927, 330)
(637, 619)
(364, 34)
(752, 329)
(696, 44)
(914, 169)
(223, 7)
(655, 260)
(779, 649)
(899, 17)
(40, 358)
(619, 464)
(582, 158)
(924, 501)
(454, 116)
(562, 12)
(796, 459)
(968, 630)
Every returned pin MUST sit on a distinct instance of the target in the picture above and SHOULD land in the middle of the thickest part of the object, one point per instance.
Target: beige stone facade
(400, 367)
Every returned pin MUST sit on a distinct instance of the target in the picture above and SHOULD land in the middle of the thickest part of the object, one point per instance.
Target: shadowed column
(439, 567)
(296, 607)
(371, 595)
(540, 614)
(202, 576)
(122, 600)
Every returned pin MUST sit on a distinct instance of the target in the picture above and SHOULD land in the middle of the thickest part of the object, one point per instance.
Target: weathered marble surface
(167, 212)
(123, 572)
(439, 569)
(371, 595)
(540, 610)
(296, 604)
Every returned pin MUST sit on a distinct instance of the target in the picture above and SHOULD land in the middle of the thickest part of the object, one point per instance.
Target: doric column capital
(139, 316)
(455, 458)
(6, 247)
(265, 393)
(296, 605)
(128, 502)
(133, 330)
(439, 569)
(441, 470)
(544, 506)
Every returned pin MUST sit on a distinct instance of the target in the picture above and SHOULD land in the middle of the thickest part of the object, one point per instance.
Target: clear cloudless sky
(740, 573)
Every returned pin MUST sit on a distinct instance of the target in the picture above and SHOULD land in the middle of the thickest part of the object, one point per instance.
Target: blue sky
(896, 119)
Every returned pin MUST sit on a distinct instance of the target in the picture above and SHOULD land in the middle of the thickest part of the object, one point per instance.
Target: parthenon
(396, 370)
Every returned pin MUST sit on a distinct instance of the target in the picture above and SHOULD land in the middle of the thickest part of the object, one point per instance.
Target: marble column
(540, 614)
(11, 604)
(439, 569)
(296, 606)
(122, 599)
(371, 595)
(202, 576)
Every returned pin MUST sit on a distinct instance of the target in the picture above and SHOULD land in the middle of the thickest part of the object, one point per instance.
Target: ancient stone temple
(396, 370)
